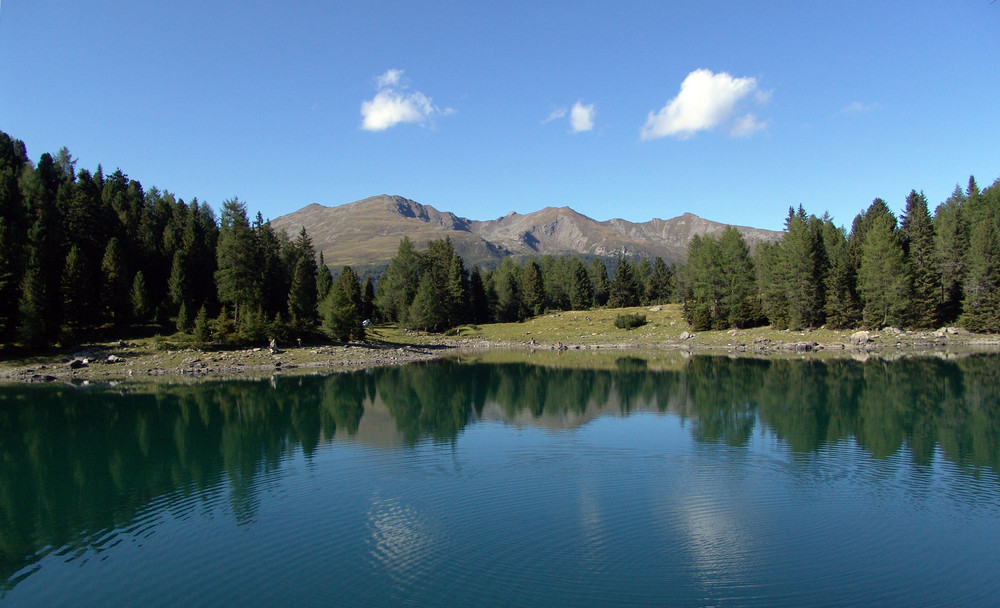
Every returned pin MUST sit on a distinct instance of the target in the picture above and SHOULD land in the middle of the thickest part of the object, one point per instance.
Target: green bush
(630, 321)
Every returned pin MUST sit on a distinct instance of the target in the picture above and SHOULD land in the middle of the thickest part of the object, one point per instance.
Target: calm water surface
(706, 481)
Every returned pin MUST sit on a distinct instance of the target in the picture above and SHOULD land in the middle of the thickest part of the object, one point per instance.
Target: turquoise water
(714, 482)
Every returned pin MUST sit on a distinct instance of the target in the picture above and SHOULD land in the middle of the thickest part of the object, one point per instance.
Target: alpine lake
(512, 480)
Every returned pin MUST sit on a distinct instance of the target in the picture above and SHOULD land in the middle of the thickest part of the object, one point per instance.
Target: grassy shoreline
(581, 334)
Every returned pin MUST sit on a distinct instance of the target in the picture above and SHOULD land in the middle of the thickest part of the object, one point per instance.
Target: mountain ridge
(365, 234)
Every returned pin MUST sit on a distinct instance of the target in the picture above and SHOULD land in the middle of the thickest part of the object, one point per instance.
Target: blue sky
(733, 111)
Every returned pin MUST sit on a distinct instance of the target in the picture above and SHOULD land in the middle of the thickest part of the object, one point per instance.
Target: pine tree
(599, 281)
(505, 284)
(803, 273)
(117, 305)
(324, 280)
(398, 284)
(14, 225)
(882, 278)
(951, 244)
(739, 303)
(185, 320)
(532, 289)
(479, 305)
(623, 290)
(660, 284)
(139, 297)
(78, 292)
(302, 295)
(841, 307)
(238, 279)
(457, 292)
(981, 307)
(769, 259)
(581, 292)
(342, 308)
(917, 240)
(368, 300)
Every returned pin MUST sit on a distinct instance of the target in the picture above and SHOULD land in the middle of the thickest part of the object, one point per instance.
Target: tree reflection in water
(78, 461)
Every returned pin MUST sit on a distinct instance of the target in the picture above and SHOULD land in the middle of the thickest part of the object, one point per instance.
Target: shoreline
(138, 362)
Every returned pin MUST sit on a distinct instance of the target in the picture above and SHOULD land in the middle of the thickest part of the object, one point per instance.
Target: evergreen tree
(202, 332)
(918, 242)
(302, 295)
(426, 311)
(141, 308)
(882, 278)
(599, 281)
(324, 280)
(505, 284)
(185, 320)
(178, 285)
(581, 292)
(624, 288)
(398, 285)
(532, 289)
(117, 304)
(981, 307)
(14, 225)
(841, 307)
(660, 284)
(951, 244)
(342, 308)
(78, 292)
(771, 283)
(642, 271)
(479, 305)
(457, 292)
(740, 305)
(803, 273)
(238, 280)
(368, 300)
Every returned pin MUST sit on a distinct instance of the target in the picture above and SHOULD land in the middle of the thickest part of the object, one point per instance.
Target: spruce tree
(951, 236)
(342, 308)
(368, 300)
(116, 284)
(139, 296)
(883, 281)
(981, 307)
(599, 281)
(238, 279)
(581, 292)
(398, 284)
(623, 290)
(660, 283)
(323, 279)
(532, 289)
(78, 292)
(803, 272)
(479, 306)
(302, 295)
(917, 236)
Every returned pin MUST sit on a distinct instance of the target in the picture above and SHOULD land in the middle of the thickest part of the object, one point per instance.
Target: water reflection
(76, 463)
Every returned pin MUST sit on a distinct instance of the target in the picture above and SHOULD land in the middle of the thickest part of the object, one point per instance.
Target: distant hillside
(366, 233)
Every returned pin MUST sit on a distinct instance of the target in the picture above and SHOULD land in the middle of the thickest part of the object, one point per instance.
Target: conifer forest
(84, 254)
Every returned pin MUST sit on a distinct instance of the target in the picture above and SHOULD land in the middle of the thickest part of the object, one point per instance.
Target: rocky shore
(125, 361)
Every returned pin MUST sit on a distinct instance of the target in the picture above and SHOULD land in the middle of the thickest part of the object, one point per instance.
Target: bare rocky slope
(366, 234)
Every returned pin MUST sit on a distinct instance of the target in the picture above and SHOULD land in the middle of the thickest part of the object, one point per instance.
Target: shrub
(630, 321)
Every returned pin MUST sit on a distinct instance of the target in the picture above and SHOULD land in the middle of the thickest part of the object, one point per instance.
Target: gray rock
(861, 337)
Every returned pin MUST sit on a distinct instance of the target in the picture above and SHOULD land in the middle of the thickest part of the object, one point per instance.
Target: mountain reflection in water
(76, 462)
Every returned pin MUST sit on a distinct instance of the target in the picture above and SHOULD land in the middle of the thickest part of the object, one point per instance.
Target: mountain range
(365, 234)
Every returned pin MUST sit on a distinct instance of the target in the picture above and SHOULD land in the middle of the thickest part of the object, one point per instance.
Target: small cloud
(394, 104)
(581, 117)
(856, 107)
(747, 126)
(391, 78)
(555, 115)
(705, 101)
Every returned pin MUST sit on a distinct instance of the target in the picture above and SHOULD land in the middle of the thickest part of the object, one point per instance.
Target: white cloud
(705, 101)
(581, 117)
(856, 107)
(747, 126)
(391, 78)
(555, 115)
(394, 104)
